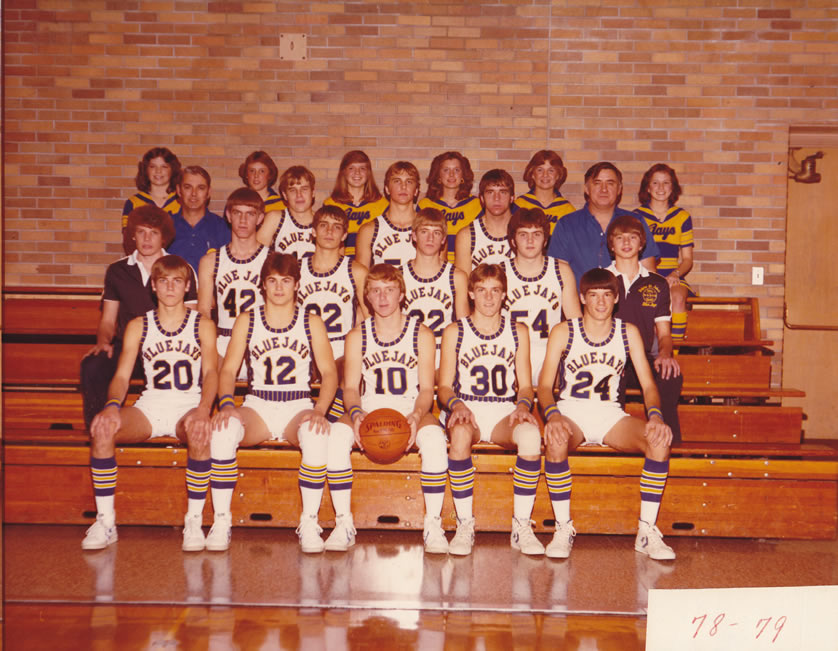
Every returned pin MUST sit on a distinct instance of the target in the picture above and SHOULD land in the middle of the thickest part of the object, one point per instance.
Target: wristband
(453, 400)
(551, 410)
(353, 411)
(654, 411)
(114, 402)
(526, 402)
(226, 401)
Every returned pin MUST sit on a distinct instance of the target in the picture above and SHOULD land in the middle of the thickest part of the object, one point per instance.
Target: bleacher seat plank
(43, 362)
(61, 311)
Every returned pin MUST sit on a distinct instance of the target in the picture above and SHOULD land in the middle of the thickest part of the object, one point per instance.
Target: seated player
(330, 286)
(539, 288)
(197, 230)
(127, 295)
(157, 175)
(485, 239)
(450, 180)
(387, 238)
(485, 356)
(290, 231)
(229, 277)
(435, 290)
(177, 346)
(357, 194)
(672, 228)
(259, 172)
(643, 300)
(390, 363)
(593, 352)
(280, 341)
(545, 174)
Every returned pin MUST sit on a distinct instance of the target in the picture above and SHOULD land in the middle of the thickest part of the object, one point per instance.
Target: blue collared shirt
(192, 243)
(579, 240)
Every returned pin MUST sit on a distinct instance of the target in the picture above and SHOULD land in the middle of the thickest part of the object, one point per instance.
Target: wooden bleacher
(742, 452)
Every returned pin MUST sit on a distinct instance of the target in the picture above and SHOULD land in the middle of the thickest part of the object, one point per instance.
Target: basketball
(384, 435)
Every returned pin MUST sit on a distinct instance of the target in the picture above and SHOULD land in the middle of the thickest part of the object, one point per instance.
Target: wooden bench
(737, 461)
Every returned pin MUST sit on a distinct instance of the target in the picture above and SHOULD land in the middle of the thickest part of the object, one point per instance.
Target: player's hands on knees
(557, 431)
(106, 423)
(461, 415)
(317, 422)
(667, 367)
(357, 419)
(98, 348)
(522, 415)
(673, 280)
(658, 433)
(413, 420)
(198, 426)
(223, 415)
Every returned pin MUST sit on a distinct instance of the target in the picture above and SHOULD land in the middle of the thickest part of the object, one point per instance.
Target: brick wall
(710, 88)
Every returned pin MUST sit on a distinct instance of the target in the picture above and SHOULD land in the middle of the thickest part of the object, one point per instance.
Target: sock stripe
(433, 482)
(224, 473)
(103, 473)
(461, 474)
(312, 476)
(339, 479)
(653, 480)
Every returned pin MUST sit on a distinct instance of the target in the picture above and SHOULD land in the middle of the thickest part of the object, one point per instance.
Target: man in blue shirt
(579, 238)
(197, 230)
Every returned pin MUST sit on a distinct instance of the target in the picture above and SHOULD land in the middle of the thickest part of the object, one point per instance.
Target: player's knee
(431, 443)
(314, 446)
(461, 440)
(341, 438)
(528, 439)
(225, 441)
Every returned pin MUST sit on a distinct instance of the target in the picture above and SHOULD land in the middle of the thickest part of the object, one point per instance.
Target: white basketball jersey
(390, 369)
(390, 243)
(292, 237)
(431, 299)
(237, 286)
(279, 359)
(536, 302)
(331, 295)
(171, 360)
(485, 248)
(486, 363)
(592, 371)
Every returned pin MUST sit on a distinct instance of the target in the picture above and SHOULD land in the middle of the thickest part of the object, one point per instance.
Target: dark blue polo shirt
(192, 243)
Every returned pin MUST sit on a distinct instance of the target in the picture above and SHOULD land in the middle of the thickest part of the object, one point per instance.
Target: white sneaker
(99, 535)
(562, 541)
(343, 535)
(309, 532)
(218, 538)
(649, 541)
(523, 538)
(463, 539)
(193, 535)
(434, 536)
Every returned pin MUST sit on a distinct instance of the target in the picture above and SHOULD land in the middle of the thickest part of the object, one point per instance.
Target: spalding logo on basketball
(384, 435)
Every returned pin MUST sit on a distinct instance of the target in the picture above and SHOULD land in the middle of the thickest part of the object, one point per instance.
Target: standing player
(545, 174)
(177, 347)
(484, 358)
(356, 193)
(389, 363)
(387, 238)
(450, 180)
(485, 239)
(157, 175)
(539, 288)
(435, 290)
(593, 352)
(643, 299)
(259, 172)
(290, 231)
(672, 228)
(229, 277)
(280, 341)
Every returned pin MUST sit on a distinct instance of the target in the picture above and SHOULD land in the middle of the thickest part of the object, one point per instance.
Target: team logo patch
(649, 294)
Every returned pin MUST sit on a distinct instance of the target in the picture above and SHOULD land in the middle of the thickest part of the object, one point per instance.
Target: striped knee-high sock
(559, 483)
(679, 326)
(652, 483)
(433, 490)
(197, 483)
(312, 479)
(461, 474)
(103, 472)
(223, 478)
(340, 488)
(524, 483)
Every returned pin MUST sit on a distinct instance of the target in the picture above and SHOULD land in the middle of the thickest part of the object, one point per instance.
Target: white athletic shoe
(434, 536)
(343, 535)
(463, 539)
(309, 532)
(649, 541)
(99, 535)
(193, 535)
(218, 538)
(562, 541)
(523, 538)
